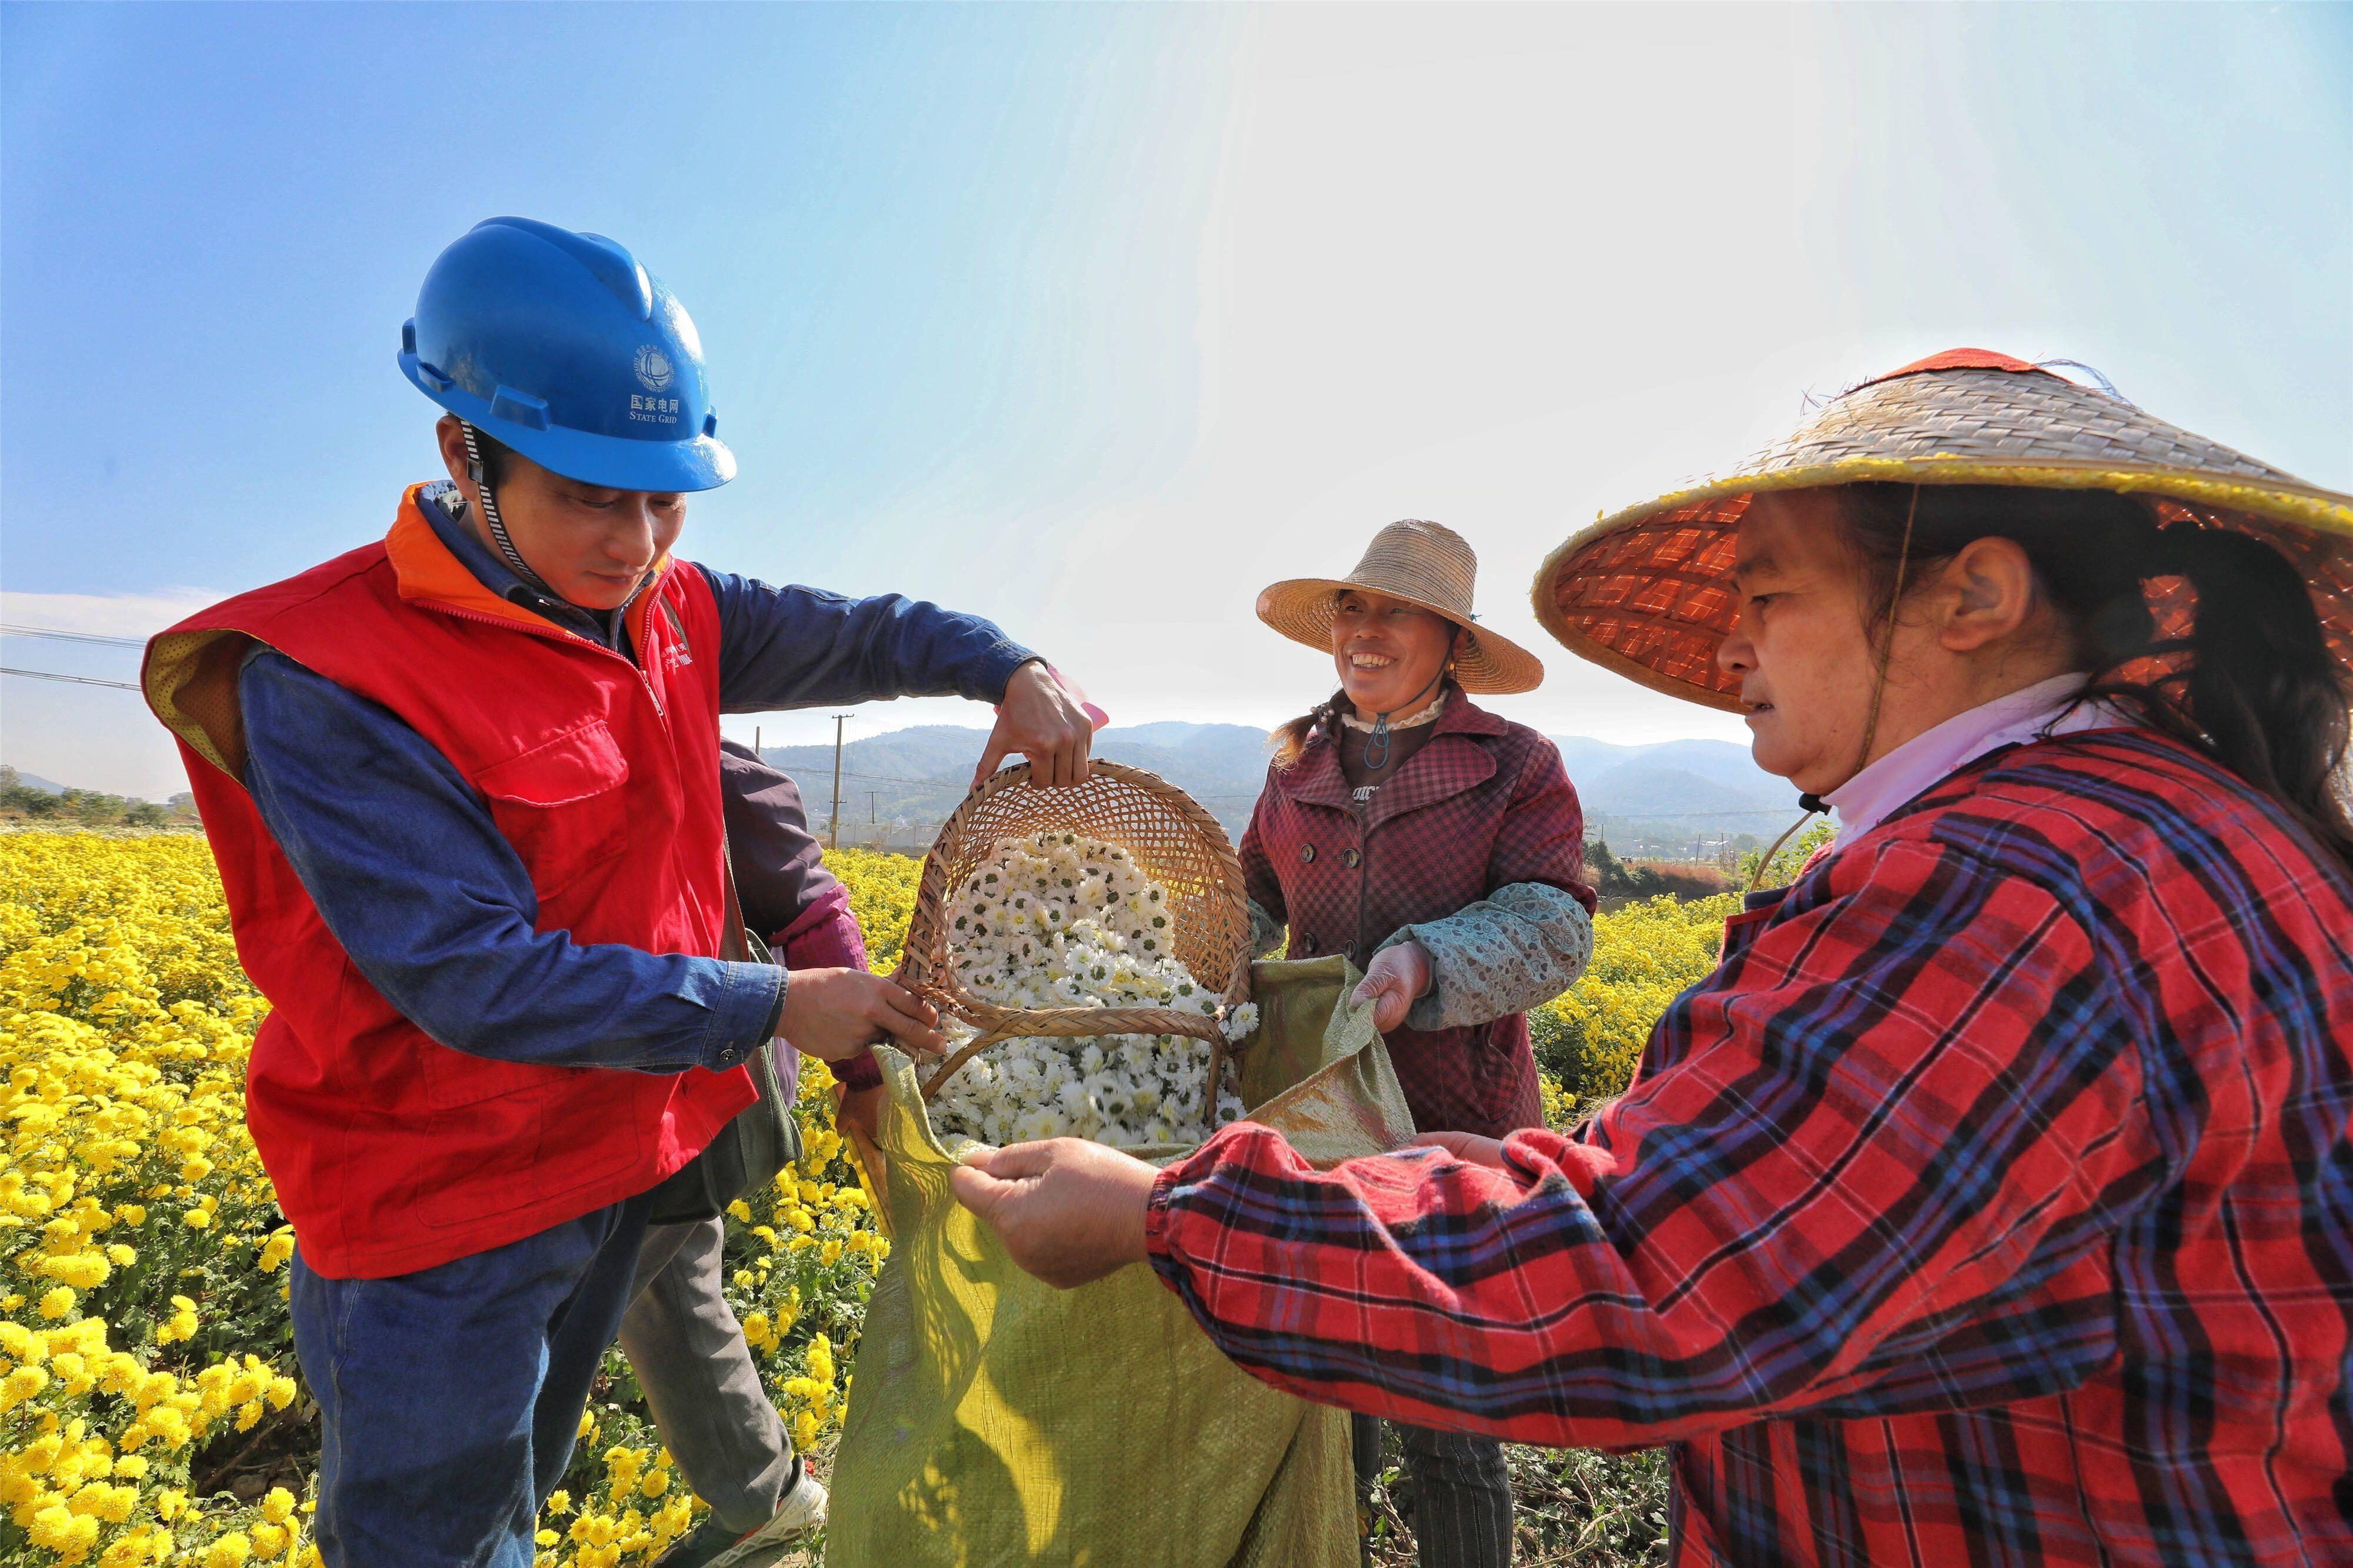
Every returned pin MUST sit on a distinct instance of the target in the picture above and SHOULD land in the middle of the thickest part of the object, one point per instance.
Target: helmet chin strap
(480, 475)
(476, 471)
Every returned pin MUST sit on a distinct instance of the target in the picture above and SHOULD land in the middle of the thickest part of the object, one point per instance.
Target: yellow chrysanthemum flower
(231, 1551)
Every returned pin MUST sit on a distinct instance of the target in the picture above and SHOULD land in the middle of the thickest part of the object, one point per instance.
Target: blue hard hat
(561, 346)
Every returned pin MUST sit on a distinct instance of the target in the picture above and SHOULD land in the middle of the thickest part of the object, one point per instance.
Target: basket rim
(927, 947)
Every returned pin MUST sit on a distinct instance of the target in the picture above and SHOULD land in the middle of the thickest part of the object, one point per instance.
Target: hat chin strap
(1379, 743)
(480, 475)
(1813, 804)
(1887, 643)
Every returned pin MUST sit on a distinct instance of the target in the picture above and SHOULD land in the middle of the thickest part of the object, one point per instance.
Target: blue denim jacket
(416, 882)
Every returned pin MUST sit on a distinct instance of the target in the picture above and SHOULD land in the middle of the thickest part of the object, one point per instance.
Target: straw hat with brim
(1426, 565)
(1647, 591)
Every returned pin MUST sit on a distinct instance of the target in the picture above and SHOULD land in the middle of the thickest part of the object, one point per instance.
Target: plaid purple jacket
(1482, 804)
(1992, 1202)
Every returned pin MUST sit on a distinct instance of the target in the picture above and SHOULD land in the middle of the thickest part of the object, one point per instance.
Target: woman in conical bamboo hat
(1993, 1199)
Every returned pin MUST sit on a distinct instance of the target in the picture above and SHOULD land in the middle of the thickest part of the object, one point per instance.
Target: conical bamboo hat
(1647, 591)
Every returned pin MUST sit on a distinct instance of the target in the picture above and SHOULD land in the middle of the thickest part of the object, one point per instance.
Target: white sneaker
(802, 1510)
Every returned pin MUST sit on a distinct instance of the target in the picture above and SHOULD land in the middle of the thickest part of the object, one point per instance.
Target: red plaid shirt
(1992, 1202)
(1482, 804)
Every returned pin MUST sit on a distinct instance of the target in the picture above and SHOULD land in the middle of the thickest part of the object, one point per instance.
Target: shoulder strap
(737, 942)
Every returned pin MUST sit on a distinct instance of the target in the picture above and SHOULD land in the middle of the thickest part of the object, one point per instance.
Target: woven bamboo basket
(1174, 842)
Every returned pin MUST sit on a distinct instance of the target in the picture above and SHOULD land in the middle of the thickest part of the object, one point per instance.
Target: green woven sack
(994, 1419)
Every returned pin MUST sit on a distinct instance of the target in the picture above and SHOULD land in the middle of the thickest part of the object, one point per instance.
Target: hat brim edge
(1272, 597)
(2303, 506)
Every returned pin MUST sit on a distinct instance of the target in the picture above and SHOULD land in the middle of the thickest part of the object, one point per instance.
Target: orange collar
(425, 570)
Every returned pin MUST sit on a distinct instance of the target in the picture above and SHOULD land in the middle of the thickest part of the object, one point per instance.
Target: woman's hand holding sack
(1396, 978)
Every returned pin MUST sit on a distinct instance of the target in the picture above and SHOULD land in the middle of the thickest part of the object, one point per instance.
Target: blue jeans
(452, 1397)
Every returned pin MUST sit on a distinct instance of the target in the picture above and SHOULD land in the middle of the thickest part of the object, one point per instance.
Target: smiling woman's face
(1801, 647)
(591, 544)
(1389, 652)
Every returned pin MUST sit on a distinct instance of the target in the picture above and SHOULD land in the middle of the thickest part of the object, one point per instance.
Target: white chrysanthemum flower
(1058, 920)
(1032, 1125)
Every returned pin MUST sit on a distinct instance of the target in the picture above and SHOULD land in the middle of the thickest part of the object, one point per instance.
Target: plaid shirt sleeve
(1863, 1149)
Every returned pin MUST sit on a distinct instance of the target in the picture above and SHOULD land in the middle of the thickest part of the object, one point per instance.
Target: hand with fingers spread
(1044, 722)
(836, 1013)
(1468, 1147)
(1395, 981)
(1066, 1210)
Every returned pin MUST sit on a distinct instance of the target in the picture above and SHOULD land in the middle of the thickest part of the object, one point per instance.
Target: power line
(77, 679)
(70, 636)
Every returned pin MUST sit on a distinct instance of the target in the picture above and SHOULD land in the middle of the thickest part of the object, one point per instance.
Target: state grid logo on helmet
(566, 350)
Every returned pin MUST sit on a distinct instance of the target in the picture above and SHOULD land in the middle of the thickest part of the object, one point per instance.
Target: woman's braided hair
(1291, 738)
(2253, 686)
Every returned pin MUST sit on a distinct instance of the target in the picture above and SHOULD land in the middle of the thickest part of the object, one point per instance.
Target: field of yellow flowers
(150, 1409)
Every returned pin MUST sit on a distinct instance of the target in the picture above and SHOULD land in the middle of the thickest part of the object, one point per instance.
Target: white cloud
(105, 615)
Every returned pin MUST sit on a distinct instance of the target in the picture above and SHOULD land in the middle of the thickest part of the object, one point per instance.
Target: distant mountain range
(1675, 798)
(1665, 798)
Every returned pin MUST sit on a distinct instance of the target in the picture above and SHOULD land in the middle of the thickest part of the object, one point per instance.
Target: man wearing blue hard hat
(462, 787)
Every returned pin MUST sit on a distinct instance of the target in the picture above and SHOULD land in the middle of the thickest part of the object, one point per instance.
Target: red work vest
(392, 1153)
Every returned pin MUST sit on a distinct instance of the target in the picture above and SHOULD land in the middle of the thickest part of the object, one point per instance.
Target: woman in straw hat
(1993, 1200)
(1441, 847)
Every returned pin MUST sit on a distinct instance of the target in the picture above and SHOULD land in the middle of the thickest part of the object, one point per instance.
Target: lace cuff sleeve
(1518, 948)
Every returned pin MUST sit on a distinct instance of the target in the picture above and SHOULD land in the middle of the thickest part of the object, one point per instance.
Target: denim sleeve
(436, 911)
(791, 647)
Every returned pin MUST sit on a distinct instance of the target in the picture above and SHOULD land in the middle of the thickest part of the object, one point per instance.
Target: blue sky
(1096, 319)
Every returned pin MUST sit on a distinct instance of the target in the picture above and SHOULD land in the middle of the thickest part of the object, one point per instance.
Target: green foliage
(1644, 955)
(1572, 1508)
(88, 807)
(1616, 878)
(1787, 860)
(1580, 1509)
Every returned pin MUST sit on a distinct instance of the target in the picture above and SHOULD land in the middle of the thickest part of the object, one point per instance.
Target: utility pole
(872, 820)
(756, 741)
(833, 823)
